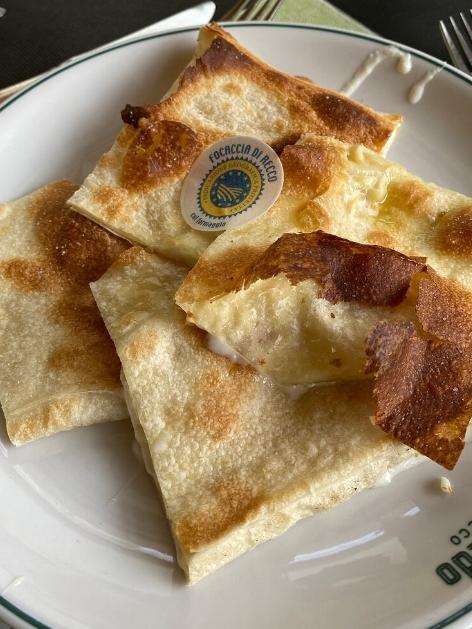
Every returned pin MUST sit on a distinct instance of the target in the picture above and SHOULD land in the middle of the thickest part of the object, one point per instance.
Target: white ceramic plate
(83, 542)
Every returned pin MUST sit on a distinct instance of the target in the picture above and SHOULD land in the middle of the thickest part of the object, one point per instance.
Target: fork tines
(246, 10)
(458, 40)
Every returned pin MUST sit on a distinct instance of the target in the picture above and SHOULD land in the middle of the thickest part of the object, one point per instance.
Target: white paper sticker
(230, 183)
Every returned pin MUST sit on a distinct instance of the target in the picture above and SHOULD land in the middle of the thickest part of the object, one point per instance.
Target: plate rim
(7, 605)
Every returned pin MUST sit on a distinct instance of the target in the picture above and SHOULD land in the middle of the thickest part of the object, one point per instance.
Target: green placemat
(317, 12)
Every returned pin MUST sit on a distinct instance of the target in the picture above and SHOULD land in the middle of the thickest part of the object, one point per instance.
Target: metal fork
(246, 10)
(458, 41)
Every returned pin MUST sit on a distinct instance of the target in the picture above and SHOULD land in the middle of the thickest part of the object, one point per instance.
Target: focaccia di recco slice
(58, 367)
(135, 188)
(236, 461)
(299, 304)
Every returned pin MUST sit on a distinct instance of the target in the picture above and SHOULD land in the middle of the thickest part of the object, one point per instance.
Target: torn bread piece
(225, 91)
(300, 310)
(59, 369)
(249, 288)
(236, 460)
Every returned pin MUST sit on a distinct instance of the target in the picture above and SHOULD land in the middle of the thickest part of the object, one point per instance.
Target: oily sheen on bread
(299, 304)
(58, 366)
(135, 188)
(236, 460)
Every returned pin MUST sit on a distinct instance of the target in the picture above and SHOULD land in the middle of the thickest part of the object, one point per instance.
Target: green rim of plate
(381, 40)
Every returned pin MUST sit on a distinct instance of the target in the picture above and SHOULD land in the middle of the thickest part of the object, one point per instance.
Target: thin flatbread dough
(135, 188)
(58, 366)
(237, 462)
(258, 288)
(245, 289)
(302, 309)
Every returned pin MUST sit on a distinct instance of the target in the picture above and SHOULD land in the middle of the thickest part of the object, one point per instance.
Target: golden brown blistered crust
(142, 345)
(454, 233)
(347, 271)
(217, 275)
(219, 414)
(308, 169)
(74, 252)
(313, 216)
(444, 309)
(349, 121)
(162, 150)
(409, 196)
(381, 238)
(232, 504)
(47, 419)
(423, 387)
(29, 275)
(130, 257)
(113, 202)
(311, 108)
(285, 140)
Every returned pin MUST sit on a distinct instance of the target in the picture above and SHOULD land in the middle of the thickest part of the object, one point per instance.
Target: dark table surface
(38, 34)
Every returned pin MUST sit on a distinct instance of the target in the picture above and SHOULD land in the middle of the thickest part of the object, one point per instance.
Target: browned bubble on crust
(347, 271)
(162, 150)
(381, 238)
(453, 233)
(112, 202)
(30, 275)
(308, 169)
(312, 216)
(409, 196)
(232, 88)
(81, 249)
(423, 385)
(218, 408)
(232, 504)
(130, 257)
(142, 345)
(444, 309)
(349, 121)
(56, 413)
(215, 276)
(95, 360)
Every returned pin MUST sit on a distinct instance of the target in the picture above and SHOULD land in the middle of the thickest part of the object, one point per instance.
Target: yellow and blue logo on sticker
(232, 187)
(231, 182)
